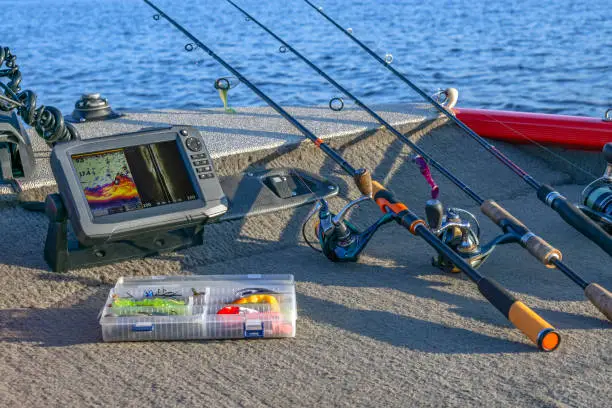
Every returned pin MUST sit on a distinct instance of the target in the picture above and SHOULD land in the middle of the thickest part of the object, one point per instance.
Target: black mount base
(62, 253)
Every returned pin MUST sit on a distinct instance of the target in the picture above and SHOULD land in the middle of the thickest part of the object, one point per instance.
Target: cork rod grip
(497, 213)
(535, 245)
(601, 298)
(363, 181)
(542, 250)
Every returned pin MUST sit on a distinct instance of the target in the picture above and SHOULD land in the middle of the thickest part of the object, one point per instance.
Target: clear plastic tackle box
(200, 307)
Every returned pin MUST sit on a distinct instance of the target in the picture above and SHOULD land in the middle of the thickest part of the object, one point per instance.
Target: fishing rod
(520, 315)
(468, 247)
(547, 194)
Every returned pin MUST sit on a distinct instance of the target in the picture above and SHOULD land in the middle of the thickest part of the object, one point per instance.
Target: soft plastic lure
(426, 172)
(236, 310)
(223, 85)
(148, 306)
(149, 302)
(261, 298)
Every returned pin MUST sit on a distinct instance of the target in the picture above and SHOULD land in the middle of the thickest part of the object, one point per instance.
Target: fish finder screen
(133, 178)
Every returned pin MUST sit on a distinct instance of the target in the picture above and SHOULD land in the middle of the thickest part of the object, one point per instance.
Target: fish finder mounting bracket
(139, 194)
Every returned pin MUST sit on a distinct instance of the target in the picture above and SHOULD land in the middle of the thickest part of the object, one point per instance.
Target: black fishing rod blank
(547, 194)
(535, 245)
(525, 319)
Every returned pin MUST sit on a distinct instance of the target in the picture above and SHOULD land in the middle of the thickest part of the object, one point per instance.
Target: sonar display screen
(132, 178)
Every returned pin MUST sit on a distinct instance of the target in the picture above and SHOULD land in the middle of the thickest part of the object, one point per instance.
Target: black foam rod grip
(434, 210)
(577, 219)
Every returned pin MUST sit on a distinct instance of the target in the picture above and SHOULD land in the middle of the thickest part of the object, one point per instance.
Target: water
(551, 57)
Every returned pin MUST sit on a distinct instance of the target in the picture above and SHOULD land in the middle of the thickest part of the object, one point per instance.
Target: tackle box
(200, 307)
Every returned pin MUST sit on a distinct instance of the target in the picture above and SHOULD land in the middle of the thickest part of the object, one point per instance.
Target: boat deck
(388, 331)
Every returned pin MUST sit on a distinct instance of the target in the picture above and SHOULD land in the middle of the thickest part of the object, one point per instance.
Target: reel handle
(434, 211)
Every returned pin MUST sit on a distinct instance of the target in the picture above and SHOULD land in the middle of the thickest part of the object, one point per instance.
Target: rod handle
(376, 187)
(498, 214)
(520, 315)
(601, 298)
(576, 218)
(363, 181)
(535, 245)
(385, 199)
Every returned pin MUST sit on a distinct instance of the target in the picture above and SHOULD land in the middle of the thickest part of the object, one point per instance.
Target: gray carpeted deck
(389, 331)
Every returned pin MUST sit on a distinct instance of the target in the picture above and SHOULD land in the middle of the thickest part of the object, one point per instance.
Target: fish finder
(130, 195)
(136, 183)
(139, 194)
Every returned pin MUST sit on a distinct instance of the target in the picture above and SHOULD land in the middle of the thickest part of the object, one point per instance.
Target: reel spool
(459, 229)
(596, 198)
(341, 241)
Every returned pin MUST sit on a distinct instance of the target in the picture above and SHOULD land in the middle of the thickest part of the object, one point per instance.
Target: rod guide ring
(333, 104)
(222, 83)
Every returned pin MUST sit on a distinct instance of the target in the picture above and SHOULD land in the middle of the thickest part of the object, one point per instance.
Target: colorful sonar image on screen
(132, 178)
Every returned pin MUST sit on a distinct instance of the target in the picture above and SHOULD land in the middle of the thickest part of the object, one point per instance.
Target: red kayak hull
(573, 132)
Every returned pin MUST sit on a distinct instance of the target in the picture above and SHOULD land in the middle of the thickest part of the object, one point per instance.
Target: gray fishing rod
(547, 194)
(530, 323)
(537, 246)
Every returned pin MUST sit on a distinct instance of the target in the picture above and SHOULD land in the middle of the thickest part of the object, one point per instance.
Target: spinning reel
(459, 229)
(340, 240)
(596, 198)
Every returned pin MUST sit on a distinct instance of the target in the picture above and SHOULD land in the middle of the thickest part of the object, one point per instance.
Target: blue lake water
(551, 57)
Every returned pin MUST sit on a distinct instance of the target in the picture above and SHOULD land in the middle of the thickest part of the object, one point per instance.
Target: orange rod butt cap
(536, 328)
(549, 340)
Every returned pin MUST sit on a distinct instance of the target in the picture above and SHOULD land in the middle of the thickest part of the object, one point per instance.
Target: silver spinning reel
(458, 229)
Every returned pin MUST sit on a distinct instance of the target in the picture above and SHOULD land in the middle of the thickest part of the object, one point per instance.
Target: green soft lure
(148, 302)
(223, 85)
(223, 96)
(149, 306)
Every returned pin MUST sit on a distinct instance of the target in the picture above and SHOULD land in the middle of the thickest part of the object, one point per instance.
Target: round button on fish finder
(193, 144)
